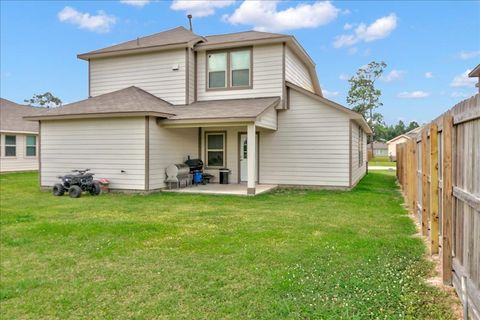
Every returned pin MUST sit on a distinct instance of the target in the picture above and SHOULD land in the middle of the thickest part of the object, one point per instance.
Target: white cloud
(458, 94)
(344, 77)
(101, 22)
(264, 16)
(462, 80)
(428, 75)
(465, 55)
(379, 29)
(135, 3)
(413, 94)
(393, 75)
(347, 26)
(200, 8)
(330, 94)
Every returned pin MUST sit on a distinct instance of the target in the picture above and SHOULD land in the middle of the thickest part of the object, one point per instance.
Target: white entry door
(243, 158)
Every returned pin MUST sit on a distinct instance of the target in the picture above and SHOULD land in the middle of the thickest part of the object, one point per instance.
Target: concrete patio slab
(223, 189)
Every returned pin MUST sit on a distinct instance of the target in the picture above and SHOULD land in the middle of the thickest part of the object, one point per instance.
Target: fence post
(433, 188)
(424, 183)
(447, 213)
(413, 175)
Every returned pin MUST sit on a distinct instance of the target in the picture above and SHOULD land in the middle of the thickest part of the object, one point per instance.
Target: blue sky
(428, 46)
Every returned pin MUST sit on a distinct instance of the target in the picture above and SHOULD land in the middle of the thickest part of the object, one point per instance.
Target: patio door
(243, 144)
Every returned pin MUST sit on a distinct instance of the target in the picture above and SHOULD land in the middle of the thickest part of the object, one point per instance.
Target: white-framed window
(229, 69)
(215, 149)
(10, 146)
(240, 68)
(31, 146)
(360, 147)
(217, 70)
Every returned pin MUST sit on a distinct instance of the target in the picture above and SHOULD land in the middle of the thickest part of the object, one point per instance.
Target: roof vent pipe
(190, 21)
(138, 41)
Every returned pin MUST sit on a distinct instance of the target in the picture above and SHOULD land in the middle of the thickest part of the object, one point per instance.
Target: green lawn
(382, 162)
(284, 255)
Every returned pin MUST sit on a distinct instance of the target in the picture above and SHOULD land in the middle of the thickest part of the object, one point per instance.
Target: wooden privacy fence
(439, 173)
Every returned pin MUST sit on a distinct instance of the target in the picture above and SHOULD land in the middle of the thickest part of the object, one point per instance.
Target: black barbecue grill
(197, 165)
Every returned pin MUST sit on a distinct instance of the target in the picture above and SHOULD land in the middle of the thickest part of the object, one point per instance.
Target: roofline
(114, 53)
(398, 137)
(99, 115)
(475, 72)
(354, 115)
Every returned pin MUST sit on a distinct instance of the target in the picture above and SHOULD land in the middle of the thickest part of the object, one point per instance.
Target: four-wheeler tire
(58, 190)
(75, 192)
(95, 189)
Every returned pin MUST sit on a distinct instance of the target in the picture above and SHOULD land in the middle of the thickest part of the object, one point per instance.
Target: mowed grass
(382, 162)
(290, 254)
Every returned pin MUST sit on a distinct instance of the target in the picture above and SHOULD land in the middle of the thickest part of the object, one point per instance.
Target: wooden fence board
(433, 188)
(447, 231)
(439, 172)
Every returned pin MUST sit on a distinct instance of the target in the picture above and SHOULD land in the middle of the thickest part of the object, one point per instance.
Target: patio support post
(252, 164)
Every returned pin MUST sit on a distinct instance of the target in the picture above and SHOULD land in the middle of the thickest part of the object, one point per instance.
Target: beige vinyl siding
(268, 119)
(21, 162)
(151, 72)
(310, 147)
(296, 72)
(358, 171)
(106, 146)
(191, 75)
(267, 76)
(169, 146)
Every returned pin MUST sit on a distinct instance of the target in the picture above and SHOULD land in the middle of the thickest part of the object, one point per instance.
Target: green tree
(363, 96)
(46, 100)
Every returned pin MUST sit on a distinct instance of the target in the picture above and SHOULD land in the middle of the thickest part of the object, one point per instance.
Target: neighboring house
(392, 144)
(247, 101)
(379, 149)
(475, 73)
(18, 138)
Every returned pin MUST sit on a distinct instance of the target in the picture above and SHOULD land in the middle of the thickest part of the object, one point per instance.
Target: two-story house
(248, 101)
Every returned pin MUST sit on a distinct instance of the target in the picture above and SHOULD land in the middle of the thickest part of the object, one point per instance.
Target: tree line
(364, 97)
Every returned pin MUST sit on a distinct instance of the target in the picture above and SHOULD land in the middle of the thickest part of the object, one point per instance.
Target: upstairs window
(240, 65)
(230, 69)
(10, 146)
(31, 146)
(217, 70)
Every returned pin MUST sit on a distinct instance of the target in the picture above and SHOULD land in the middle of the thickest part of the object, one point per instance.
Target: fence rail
(439, 173)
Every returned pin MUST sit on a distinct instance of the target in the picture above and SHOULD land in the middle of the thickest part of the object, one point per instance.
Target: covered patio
(232, 118)
(237, 189)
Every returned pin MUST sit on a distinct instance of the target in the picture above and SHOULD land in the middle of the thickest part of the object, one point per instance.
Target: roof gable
(128, 101)
(352, 114)
(176, 36)
(11, 117)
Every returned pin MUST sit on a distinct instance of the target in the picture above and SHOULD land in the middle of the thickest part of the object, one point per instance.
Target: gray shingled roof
(129, 100)
(135, 101)
(178, 36)
(174, 36)
(223, 109)
(241, 36)
(11, 117)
